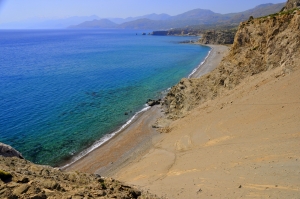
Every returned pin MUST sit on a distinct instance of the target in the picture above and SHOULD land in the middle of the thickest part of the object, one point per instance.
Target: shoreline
(134, 138)
(211, 61)
(104, 139)
(109, 155)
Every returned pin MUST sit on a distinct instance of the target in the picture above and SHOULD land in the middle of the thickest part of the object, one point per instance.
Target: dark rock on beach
(152, 102)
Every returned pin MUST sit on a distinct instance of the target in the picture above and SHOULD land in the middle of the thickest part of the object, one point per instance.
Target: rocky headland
(218, 37)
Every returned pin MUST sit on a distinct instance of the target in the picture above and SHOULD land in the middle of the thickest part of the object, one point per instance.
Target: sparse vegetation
(5, 175)
(283, 12)
(103, 186)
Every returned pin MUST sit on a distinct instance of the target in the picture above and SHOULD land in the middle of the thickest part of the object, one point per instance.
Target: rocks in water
(8, 151)
(187, 42)
(152, 102)
(160, 33)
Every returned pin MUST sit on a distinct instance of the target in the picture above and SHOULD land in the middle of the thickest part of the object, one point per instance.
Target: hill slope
(258, 47)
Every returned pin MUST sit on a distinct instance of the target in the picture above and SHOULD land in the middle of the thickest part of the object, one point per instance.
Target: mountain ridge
(197, 17)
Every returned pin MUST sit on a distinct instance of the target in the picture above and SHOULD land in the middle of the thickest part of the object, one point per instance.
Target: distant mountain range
(190, 18)
(150, 16)
(151, 21)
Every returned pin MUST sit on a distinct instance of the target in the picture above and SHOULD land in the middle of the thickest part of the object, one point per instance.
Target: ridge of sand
(245, 143)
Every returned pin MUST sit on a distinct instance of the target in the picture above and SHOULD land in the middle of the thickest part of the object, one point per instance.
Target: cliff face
(260, 44)
(22, 179)
(292, 4)
(218, 37)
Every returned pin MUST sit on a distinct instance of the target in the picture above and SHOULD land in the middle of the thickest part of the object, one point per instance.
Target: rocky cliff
(20, 178)
(291, 4)
(260, 44)
(218, 37)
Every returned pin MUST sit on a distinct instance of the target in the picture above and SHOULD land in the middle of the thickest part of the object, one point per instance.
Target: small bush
(103, 186)
(5, 175)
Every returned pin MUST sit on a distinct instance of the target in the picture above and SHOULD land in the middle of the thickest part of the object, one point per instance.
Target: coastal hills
(190, 18)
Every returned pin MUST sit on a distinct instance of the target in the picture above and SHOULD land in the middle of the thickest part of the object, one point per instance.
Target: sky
(18, 10)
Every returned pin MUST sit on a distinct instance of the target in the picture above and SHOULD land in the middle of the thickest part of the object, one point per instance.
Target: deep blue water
(61, 90)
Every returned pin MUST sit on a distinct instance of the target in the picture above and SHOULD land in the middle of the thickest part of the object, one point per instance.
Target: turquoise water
(62, 90)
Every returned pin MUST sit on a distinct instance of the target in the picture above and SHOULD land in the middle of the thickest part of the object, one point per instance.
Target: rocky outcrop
(22, 179)
(291, 4)
(151, 102)
(260, 44)
(8, 151)
(218, 37)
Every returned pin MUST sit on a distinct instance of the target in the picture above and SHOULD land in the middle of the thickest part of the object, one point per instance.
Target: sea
(65, 92)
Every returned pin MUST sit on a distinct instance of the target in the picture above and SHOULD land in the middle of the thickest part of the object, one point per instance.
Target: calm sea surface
(62, 90)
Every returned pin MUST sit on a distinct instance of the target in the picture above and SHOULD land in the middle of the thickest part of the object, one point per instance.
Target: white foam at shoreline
(195, 70)
(104, 139)
(107, 137)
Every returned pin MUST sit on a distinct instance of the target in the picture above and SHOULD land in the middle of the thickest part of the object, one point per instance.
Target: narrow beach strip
(211, 62)
(135, 136)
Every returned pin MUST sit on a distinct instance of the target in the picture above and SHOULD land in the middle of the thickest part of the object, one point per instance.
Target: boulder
(8, 151)
(291, 4)
(152, 102)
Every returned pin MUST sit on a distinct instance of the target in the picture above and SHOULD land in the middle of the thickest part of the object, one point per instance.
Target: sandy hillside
(245, 143)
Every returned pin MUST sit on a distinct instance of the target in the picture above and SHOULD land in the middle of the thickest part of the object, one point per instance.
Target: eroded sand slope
(248, 137)
(238, 132)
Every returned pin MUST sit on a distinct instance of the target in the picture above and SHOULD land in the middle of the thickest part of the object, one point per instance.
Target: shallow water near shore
(62, 90)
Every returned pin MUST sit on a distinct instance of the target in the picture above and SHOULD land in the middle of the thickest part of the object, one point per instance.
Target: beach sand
(131, 141)
(139, 136)
(243, 144)
(215, 57)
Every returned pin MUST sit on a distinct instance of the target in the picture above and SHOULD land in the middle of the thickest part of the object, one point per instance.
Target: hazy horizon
(20, 10)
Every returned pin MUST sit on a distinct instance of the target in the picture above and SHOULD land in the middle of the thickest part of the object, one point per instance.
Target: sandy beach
(131, 141)
(215, 57)
(139, 136)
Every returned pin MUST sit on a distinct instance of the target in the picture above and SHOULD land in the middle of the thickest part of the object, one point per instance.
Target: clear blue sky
(16, 10)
